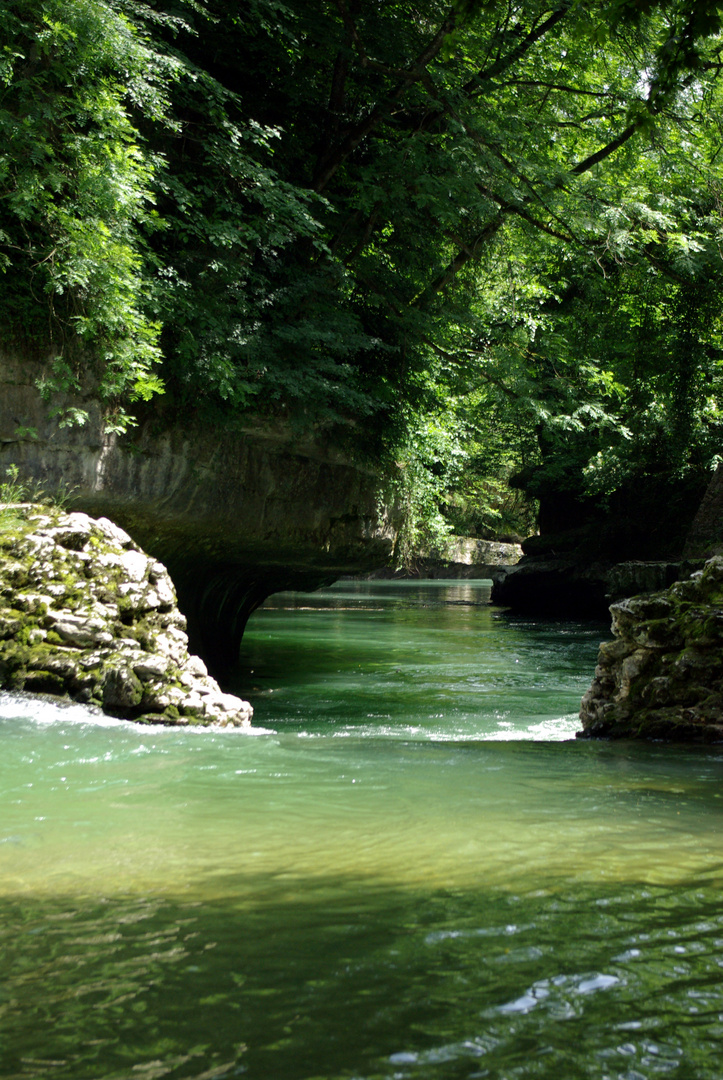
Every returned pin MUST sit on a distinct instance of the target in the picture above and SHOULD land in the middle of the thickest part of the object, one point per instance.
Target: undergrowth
(15, 494)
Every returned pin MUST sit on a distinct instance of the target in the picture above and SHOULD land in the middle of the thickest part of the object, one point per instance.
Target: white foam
(43, 710)
(16, 705)
(554, 730)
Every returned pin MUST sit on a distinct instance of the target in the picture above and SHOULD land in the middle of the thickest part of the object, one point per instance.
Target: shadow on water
(312, 980)
(387, 886)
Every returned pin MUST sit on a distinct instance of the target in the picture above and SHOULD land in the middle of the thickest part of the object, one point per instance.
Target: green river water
(413, 872)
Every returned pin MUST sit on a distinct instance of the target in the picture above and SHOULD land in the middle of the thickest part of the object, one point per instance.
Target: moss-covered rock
(85, 614)
(662, 676)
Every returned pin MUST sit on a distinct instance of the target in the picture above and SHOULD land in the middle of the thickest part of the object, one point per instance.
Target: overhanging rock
(234, 516)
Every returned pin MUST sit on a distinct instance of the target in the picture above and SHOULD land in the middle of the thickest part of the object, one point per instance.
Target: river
(414, 872)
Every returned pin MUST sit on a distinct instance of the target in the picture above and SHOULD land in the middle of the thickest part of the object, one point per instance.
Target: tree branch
(572, 90)
(479, 371)
(351, 29)
(605, 151)
(337, 94)
(332, 161)
(665, 270)
(505, 62)
(470, 251)
(462, 257)
(510, 208)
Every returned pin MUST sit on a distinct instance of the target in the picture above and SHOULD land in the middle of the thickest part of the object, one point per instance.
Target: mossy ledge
(86, 615)
(662, 676)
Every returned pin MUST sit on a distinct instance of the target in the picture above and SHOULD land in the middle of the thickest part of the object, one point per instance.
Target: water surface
(415, 873)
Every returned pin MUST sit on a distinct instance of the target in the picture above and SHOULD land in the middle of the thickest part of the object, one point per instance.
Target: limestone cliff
(234, 515)
(662, 676)
(563, 586)
(85, 614)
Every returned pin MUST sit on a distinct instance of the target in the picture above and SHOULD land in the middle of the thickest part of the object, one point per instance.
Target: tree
(76, 191)
(622, 377)
(386, 217)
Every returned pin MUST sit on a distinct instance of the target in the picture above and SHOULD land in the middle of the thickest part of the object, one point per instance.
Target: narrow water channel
(413, 872)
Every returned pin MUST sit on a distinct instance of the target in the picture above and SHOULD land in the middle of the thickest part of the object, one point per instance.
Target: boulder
(662, 675)
(86, 614)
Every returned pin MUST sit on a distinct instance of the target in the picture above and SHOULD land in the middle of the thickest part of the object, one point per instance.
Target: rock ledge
(85, 614)
(662, 676)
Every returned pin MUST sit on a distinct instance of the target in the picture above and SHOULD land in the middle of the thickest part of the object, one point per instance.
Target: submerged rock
(662, 676)
(85, 614)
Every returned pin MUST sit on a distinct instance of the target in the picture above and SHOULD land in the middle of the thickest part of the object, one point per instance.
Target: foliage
(427, 466)
(476, 239)
(627, 356)
(14, 492)
(75, 187)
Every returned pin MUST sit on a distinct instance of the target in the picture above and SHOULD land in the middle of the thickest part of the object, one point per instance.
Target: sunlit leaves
(444, 220)
(76, 183)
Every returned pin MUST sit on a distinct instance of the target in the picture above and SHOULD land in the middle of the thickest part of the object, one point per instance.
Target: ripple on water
(266, 987)
(430, 896)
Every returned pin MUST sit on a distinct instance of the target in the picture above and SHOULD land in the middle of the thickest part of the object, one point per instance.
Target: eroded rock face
(85, 614)
(234, 514)
(662, 676)
(462, 557)
(705, 537)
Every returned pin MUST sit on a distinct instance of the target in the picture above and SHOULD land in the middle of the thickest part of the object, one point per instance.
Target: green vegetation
(15, 494)
(12, 493)
(476, 242)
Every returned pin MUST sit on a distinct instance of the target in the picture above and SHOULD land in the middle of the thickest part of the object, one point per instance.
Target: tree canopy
(475, 239)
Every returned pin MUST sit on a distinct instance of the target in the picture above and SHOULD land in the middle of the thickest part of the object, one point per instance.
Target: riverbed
(413, 870)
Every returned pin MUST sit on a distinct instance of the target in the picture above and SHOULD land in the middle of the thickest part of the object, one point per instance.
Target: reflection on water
(406, 896)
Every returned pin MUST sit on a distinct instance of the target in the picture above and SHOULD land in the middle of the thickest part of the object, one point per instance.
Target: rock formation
(562, 585)
(705, 536)
(464, 557)
(662, 676)
(233, 514)
(85, 614)
(580, 571)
